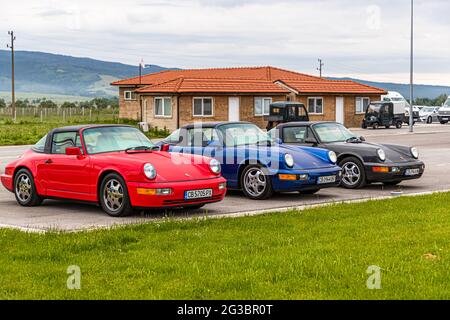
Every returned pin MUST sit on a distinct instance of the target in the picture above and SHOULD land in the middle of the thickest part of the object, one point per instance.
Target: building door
(340, 109)
(233, 109)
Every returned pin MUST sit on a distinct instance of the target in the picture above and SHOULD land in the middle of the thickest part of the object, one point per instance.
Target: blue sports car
(252, 162)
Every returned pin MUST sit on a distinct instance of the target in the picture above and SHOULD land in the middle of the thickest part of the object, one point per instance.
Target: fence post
(90, 114)
(42, 115)
(64, 115)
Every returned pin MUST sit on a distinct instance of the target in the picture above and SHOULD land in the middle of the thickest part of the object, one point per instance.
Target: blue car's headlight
(289, 160)
(332, 156)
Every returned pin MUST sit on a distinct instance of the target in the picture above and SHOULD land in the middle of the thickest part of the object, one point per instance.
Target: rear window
(40, 145)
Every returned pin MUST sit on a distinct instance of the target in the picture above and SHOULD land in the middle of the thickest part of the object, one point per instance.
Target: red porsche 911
(117, 167)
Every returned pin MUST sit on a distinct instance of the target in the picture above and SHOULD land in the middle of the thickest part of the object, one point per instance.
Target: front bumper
(310, 183)
(176, 198)
(444, 118)
(7, 182)
(392, 175)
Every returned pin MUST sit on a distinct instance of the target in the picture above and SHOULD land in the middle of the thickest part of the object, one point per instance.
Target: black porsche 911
(361, 162)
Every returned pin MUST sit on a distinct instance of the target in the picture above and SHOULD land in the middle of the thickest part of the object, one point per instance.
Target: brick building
(174, 98)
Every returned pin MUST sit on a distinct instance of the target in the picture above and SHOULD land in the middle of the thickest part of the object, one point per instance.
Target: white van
(401, 103)
(444, 112)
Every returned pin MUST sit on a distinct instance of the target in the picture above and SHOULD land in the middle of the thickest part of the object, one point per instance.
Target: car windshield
(374, 108)
(243, 134)
(112, 139)
(333, 132)
(427, 110)
(447, 103)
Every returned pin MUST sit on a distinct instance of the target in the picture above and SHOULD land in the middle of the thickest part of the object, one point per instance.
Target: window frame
(131, 95)
(315, 105)
(203, 107)
(154, 107)
(77, 133)
(362, 104)
(263, 114)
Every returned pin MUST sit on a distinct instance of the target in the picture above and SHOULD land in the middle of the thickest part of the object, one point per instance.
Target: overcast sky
(356, 38)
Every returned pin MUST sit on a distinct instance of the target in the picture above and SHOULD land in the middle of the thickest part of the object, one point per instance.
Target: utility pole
(320, 68)
(411, 89)
(13, 94)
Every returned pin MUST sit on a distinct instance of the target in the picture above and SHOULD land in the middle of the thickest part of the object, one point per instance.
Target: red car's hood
(170, 167)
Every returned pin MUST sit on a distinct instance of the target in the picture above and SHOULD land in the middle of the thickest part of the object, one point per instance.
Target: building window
(129, 95)
(203, 107)
(362, 104)
(262, 106)
(315, 105)
(163, 107)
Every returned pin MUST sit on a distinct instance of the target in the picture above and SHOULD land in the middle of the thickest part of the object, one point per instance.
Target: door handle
(49, 161)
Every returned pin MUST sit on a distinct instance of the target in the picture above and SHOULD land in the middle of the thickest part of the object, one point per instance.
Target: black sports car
(361, 162)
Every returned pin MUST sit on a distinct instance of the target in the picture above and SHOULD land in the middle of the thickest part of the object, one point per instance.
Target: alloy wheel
(351, 173)
(23, 188)
(113, 195)
(255, 182)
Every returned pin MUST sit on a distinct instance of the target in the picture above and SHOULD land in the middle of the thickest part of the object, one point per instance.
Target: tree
(47, 104)
(67, 105)
(2, 103)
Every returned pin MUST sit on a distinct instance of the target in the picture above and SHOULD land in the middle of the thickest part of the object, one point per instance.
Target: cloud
(353, 37)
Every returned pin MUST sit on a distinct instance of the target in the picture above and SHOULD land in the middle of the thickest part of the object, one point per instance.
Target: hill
(39, 72)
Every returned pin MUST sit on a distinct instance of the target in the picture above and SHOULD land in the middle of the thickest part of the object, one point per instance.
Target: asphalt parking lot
(433, 142)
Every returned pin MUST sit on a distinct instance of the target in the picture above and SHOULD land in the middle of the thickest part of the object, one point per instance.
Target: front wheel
(114, 197)
(399, 125)
(25, 189)
(256, 183)
(353, 174)
(430, 120)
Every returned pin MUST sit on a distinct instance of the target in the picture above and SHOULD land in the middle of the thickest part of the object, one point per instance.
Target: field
(33, 124)
(322, 253)
(57, 98)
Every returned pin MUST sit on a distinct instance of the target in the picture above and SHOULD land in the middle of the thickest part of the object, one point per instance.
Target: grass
(321, 253)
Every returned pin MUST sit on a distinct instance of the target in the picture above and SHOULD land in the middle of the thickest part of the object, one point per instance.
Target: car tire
(444, 122)
(114, 197)
(353, 173)
(253, 186)
(309, 192)
(392, 183)
(399, 125)
(430, 120)
(364, 125)
(376, 125)
(25, 189)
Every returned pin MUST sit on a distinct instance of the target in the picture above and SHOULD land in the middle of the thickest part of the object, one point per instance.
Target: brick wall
(170, 123)
(128, 109)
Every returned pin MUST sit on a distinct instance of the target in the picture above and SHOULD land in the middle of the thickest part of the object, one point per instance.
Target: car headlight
(415, 152)
(332, 156)
(289, 160)
(149, 171)
(381, 154)
(214, 165)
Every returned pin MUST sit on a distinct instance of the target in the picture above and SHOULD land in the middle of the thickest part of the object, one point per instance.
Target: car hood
(170, 167)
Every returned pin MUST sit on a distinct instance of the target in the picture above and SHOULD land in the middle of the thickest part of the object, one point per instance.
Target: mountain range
(54, 74)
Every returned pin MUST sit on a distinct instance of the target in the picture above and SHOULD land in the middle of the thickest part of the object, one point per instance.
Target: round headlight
(149, 171)
(289, 160)
(332, 156)
(214, 165)
(381, 154)
(415, 152)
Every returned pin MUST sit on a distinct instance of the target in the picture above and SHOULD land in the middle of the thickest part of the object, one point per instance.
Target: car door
(67, 176)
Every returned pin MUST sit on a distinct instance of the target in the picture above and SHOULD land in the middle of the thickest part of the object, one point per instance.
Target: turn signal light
(380, 169)
(289, 177)
(154, 192)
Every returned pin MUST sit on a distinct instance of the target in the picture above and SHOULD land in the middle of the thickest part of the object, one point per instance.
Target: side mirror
(362, 139)
(73, 151)
(164, 148)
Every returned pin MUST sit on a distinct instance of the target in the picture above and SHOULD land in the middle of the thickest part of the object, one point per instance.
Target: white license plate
(198, 194)
(445, 119)
(412, 172)
(327, 179)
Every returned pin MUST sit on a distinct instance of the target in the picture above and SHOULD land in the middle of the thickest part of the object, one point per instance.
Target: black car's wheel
(313, 191)
(194, 206)
(364, 125)
(429, 120)
(25, 189)
(256, 183)
(399, 125)
(353, 174)
(114, 197)
(376, 125)
(443, 122)
(392, 183)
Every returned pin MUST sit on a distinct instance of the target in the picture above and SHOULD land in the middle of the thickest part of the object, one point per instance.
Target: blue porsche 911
(252, 162)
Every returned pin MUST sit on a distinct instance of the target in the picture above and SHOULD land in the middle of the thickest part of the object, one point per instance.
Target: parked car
(429, 114)
(444, 112)
(362, 162)
(416, 115)
(384, 114)
(400, 102)
(253, 163)
(115, 166)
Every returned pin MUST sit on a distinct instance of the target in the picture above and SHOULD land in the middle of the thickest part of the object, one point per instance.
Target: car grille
(193, 201)
(444, 113)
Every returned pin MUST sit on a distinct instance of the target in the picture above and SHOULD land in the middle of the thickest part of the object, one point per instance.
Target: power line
(13, 94)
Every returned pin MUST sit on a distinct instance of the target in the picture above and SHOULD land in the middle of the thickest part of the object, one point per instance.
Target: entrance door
(233, 109)
(340, 109)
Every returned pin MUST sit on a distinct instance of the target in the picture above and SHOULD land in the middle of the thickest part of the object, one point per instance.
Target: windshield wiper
(140, 148)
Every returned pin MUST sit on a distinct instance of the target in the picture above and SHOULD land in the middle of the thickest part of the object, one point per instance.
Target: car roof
(301, 123)
(286, 103)
(213, 124)
(86, 126)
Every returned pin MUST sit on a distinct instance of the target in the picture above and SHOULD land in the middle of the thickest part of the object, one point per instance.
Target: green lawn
(321, 253)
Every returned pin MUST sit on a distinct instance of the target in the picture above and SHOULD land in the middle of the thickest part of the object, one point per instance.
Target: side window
(63, 140)
(200, 137)
(295, 135)
(40, 145)
(174, 138)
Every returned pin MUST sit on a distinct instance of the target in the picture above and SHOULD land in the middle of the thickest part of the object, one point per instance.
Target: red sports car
(115, 166)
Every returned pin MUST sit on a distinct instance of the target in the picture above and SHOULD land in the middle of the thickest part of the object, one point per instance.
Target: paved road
(433, 142)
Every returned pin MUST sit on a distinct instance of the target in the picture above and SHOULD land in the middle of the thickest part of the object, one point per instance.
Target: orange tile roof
(332, 86)
(242, 80)
(182, 85)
